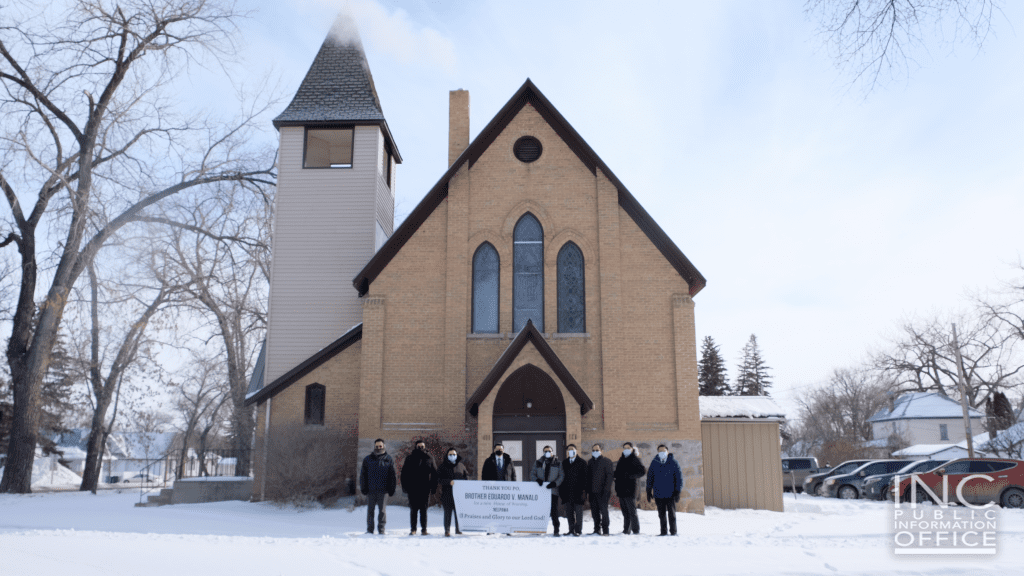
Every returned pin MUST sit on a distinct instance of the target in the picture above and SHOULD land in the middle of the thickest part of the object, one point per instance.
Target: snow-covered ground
(83, 534)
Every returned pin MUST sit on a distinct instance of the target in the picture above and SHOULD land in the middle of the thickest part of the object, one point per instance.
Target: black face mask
(498, 453)
(421, 448)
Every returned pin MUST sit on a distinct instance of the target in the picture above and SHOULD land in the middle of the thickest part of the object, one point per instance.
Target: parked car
(795, 471)
(1006, 487)
(849, 486)
(814, 482)
(877, 487)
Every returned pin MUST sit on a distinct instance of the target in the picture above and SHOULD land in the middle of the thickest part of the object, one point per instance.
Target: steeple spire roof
(338, 86)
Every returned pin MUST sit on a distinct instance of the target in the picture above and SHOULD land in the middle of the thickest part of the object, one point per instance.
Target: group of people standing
(573, 481)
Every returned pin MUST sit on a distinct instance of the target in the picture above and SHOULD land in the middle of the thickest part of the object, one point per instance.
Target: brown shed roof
(529, 334)
(528, 94)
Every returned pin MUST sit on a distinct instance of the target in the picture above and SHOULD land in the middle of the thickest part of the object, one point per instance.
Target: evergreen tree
(711, 370)
(752, 378)
(998, 413)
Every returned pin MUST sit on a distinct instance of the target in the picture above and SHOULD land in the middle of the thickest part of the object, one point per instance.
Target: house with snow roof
(925, 418)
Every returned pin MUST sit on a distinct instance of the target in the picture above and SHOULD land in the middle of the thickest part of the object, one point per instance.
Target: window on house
(572, 307)
(528, 273)
(943, 432)
(486, 276)
(328, 148)
(315, 395)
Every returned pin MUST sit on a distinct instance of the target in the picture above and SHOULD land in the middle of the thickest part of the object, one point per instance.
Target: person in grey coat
(599, 488)
(548, 470)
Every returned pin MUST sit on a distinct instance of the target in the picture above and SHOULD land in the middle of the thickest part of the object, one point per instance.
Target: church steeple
(335, 200)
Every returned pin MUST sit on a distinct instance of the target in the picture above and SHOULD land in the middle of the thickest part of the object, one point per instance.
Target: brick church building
(528, 298)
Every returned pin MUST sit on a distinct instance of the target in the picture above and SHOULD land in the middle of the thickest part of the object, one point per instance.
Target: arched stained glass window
(528, 273)
(486, 273)
(572, 306)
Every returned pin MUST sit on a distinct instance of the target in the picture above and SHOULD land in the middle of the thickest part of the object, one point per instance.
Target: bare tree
(878, 40)
(922, 358)
(105, 387)
(200, 397)
(89, 142)
(221, 247)
(834, 416)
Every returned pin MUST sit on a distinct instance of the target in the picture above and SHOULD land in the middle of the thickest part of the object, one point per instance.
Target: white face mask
(572, 453)
(596, 453)
(453, 457)
(547, 453)
(626, 452)
(663, 456)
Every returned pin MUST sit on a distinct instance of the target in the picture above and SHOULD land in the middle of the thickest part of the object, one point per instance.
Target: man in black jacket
(377, 481)
(573, 490)
(599, 489)
(419, 481)
(498, 466)
(628, 470)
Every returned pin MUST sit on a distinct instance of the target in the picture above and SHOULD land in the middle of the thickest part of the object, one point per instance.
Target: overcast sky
(821, 217)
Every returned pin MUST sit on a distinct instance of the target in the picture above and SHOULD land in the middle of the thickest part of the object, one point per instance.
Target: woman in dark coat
(451, 469)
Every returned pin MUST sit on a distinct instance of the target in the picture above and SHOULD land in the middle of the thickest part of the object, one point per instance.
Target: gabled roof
(353, 335)
(739, 407)
(528, 94)
(529, 334)
(338, 88)
(923, 405)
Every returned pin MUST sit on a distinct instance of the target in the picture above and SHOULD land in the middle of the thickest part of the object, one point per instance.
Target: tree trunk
(93, 461)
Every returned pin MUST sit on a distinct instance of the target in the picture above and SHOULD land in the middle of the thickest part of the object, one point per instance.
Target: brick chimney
(458, 123)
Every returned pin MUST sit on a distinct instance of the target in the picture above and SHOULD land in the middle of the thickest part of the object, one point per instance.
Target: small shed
(742, 452)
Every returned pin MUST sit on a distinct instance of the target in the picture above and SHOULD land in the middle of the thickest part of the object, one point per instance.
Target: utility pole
(963, 395)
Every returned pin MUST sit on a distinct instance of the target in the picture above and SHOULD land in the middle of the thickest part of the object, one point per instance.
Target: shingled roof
(338, 88)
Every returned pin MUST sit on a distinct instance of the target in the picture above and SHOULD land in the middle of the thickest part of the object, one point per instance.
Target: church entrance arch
(529, 413)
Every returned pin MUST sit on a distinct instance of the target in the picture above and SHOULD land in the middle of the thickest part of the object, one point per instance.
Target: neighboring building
(742, 452)
(924, 418)
(527, 299)
(937, 452)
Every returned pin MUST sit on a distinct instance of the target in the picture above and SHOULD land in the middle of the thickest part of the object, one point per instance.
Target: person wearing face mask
(664, 484)
(599, 489)
(548, 471)
(628, 470)
(498, 466)
(377, 480)
(573, 490)
(419, 481)
(451, 469)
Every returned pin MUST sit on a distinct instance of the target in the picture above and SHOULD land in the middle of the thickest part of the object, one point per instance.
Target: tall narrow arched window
(528, 273)
(315, 396)
(572, 305)
(486, 274)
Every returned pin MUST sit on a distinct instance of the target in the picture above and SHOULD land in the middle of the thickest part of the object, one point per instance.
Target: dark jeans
(418, 504)
(448, 503)
(599, 512)
(574, 517)
(630, 520)
(380, 501)
(667, 506)
(554, 512)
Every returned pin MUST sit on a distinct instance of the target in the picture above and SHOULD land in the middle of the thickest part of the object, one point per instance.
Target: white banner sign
(502, 507)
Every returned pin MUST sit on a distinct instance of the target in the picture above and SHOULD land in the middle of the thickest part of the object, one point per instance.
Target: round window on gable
(527, 149)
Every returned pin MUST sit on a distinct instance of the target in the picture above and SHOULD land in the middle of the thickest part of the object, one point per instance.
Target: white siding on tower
(324, 233)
